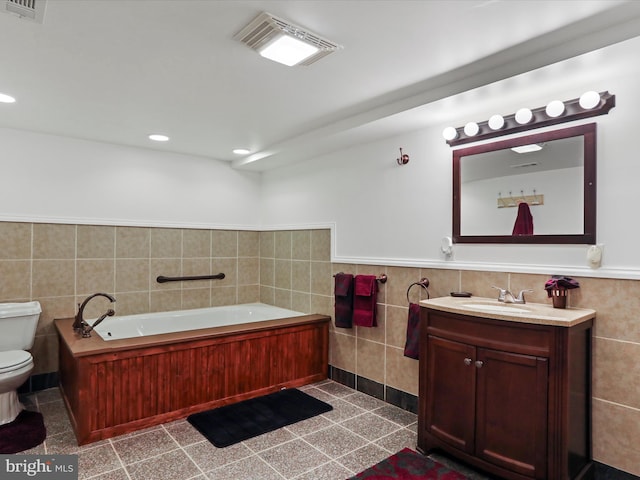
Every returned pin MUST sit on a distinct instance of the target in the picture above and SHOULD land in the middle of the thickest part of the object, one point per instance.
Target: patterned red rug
(25, 432)
(408, 465)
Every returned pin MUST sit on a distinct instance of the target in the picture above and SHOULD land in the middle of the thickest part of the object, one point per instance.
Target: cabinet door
(451, 392)
(512, 411)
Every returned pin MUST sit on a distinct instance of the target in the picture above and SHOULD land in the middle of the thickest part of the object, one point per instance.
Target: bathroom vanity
(507, 387)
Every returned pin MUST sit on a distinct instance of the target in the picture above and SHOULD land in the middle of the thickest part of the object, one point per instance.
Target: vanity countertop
(533, 313)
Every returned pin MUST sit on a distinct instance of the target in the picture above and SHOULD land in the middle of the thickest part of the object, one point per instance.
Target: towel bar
(382, 278)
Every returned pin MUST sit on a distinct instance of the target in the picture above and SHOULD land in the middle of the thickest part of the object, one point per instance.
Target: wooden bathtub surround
(116, 387)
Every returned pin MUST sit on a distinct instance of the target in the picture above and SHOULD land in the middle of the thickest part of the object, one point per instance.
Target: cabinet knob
(479, 363)
(467, 361)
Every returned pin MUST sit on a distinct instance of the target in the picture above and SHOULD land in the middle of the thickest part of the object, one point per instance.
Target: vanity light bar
(590, 104)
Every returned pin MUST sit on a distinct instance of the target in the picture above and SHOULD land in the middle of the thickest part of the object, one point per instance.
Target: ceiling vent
(266, 27)
(26, 9)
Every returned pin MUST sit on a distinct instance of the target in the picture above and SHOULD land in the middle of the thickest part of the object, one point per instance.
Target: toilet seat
(14, 360)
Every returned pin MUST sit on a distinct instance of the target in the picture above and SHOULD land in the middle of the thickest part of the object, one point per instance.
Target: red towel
(524, 221)
(412, 345)
(344, 300)
(364, 301)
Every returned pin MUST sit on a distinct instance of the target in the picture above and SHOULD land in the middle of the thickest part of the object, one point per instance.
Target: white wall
(56, 179)
(390, 214)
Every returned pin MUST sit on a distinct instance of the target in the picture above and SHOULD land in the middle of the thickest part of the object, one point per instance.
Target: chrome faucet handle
(503, 293)
(521, 298)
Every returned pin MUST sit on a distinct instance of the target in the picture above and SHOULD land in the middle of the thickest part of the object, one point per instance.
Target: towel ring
(424, 283)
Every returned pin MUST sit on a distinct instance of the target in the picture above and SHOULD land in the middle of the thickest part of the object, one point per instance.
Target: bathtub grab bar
(163, 279)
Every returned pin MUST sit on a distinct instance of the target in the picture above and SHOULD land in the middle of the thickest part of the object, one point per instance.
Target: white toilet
(18, 322)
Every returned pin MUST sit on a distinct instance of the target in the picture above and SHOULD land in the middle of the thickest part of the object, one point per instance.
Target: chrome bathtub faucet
(80, 325)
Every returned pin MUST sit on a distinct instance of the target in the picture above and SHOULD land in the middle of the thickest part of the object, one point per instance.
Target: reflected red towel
(344, 300)
(412, 345)
(524, 221)
(364, 300)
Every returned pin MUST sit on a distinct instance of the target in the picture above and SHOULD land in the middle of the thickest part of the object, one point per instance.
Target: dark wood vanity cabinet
(513, 399)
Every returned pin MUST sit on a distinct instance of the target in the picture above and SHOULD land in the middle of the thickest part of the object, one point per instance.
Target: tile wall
(59, 265)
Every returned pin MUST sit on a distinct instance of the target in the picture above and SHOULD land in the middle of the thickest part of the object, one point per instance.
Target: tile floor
(359, 432)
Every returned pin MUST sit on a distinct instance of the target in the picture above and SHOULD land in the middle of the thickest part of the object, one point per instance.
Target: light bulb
(449, 133)
(471, 129)
(4, 98)
(523, 116)
(496, 122)
(156, 137)
(589, 100)
(555, 108)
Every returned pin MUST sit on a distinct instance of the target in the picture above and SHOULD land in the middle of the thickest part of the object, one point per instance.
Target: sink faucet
(80, 325)
(507, 297)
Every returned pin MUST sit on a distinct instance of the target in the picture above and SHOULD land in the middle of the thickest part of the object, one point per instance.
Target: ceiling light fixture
(4, 98)
(241, 151)
(284, 42)
(156, 137)
(533, 147)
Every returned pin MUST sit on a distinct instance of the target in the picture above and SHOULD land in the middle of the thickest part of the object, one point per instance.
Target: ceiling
(117, 70)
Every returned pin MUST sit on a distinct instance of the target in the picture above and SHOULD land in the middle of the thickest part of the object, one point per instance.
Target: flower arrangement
(557, 287)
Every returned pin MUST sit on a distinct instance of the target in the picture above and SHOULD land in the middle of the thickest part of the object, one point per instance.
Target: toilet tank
(18, 322)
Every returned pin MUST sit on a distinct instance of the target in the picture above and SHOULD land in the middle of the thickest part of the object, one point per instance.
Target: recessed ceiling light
(241, 151)
(288, 50)
(4, 98)
(533, 147)
(158, 137)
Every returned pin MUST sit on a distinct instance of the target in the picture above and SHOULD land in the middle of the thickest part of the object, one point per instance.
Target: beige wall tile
(45, 354)
(224, 243)
(248, 293)
(616, 377)
(441, 282)
(248, 270)
(342, 351)
(15, 279)
(321, 245)
(267, 244)
(95, 276)
(267, 295)
(480, 283)
(322, 305)
(132, 275)
(283, 245)
(396, 326)
(195, 267)
(301, 245)
(248, 244)
(53, 278)
(15, 240)
(322, 281)
(52, 308)
(96, 241)
(399, 279)
(228, 266)
(301, 302)
(166, 243)
(165, 301)
(196, 298)
(301, 275)
(282, 298)
(133, 242)
(54, 241)
(370, 360)
(616, 436)
(196, 243)
(522, 281)
(167, 267)
(131, 303)
(283, 274)
(221, 295)
(267, 272)
(402, 372)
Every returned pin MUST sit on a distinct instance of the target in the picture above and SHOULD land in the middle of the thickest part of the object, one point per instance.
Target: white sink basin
(496, 308)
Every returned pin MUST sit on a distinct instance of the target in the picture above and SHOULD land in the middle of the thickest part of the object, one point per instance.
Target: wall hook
(403, 159)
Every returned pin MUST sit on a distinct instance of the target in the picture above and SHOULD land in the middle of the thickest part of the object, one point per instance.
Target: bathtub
(139, 370)
(142, 325)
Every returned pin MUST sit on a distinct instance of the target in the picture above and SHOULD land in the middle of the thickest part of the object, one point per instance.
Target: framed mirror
(554, 178)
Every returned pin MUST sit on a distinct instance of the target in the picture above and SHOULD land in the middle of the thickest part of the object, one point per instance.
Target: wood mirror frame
(588, 133)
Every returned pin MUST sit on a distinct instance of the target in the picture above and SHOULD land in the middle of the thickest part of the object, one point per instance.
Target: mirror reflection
(534, 189)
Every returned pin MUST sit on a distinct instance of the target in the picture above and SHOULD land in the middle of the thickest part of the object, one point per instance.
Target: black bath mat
(231, 424)
(25, 432)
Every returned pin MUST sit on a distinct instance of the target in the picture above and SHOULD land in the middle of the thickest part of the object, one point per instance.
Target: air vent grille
(265, 27)
(25, 9)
